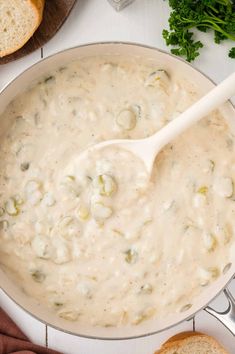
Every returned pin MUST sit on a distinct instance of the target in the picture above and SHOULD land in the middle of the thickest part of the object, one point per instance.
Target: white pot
(204, 84)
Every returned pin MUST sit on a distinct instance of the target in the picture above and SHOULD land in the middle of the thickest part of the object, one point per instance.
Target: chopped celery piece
(4, 224)
(185, 307)
(83, 213)
(38, 276)
(70, 178)
(24, 166)
(18, 200)
(212, 163)
(144, 315)
(69, 315)
(214, 272)
(228, 233)
(11, 207)
(126, 119)
(50, 78)
(159, 77)
(209, 241)
(131, 256)
(208, 274)
(105, 184)
(137, 109)
(118, 232)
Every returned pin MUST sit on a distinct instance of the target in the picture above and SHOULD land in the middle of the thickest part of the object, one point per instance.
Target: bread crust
(38, 7)
(179, 339)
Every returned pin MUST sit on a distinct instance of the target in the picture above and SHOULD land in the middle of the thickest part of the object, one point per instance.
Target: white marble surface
(143, 21)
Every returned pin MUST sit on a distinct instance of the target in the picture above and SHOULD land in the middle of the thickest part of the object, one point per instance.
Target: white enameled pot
(203, 84)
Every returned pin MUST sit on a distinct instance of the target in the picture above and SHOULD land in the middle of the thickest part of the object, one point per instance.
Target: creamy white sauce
(91, 237)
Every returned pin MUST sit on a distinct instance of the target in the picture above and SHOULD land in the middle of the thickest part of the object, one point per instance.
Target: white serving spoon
(148, 148)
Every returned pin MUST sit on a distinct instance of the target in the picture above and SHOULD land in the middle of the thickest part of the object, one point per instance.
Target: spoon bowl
(148, 148)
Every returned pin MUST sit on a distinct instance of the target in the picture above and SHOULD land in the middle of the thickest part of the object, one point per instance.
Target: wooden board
(55, 14)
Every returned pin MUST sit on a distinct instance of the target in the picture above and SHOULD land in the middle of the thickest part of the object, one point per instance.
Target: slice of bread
(19, 19)
(191, 343)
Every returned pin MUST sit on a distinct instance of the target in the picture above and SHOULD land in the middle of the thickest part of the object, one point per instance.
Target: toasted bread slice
(19, 19)
(191, 343)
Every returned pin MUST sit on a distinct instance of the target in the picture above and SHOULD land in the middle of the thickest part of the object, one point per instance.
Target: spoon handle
(212, 100)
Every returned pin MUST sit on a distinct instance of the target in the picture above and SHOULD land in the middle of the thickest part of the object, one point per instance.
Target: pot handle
(227, 317)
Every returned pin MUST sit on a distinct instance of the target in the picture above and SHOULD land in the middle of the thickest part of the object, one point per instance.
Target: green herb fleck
(231, 53)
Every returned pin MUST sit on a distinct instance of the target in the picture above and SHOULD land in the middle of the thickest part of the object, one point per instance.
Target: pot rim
(136, 44)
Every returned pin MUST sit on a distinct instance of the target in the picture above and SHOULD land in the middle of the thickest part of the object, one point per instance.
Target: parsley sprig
(186, 15)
